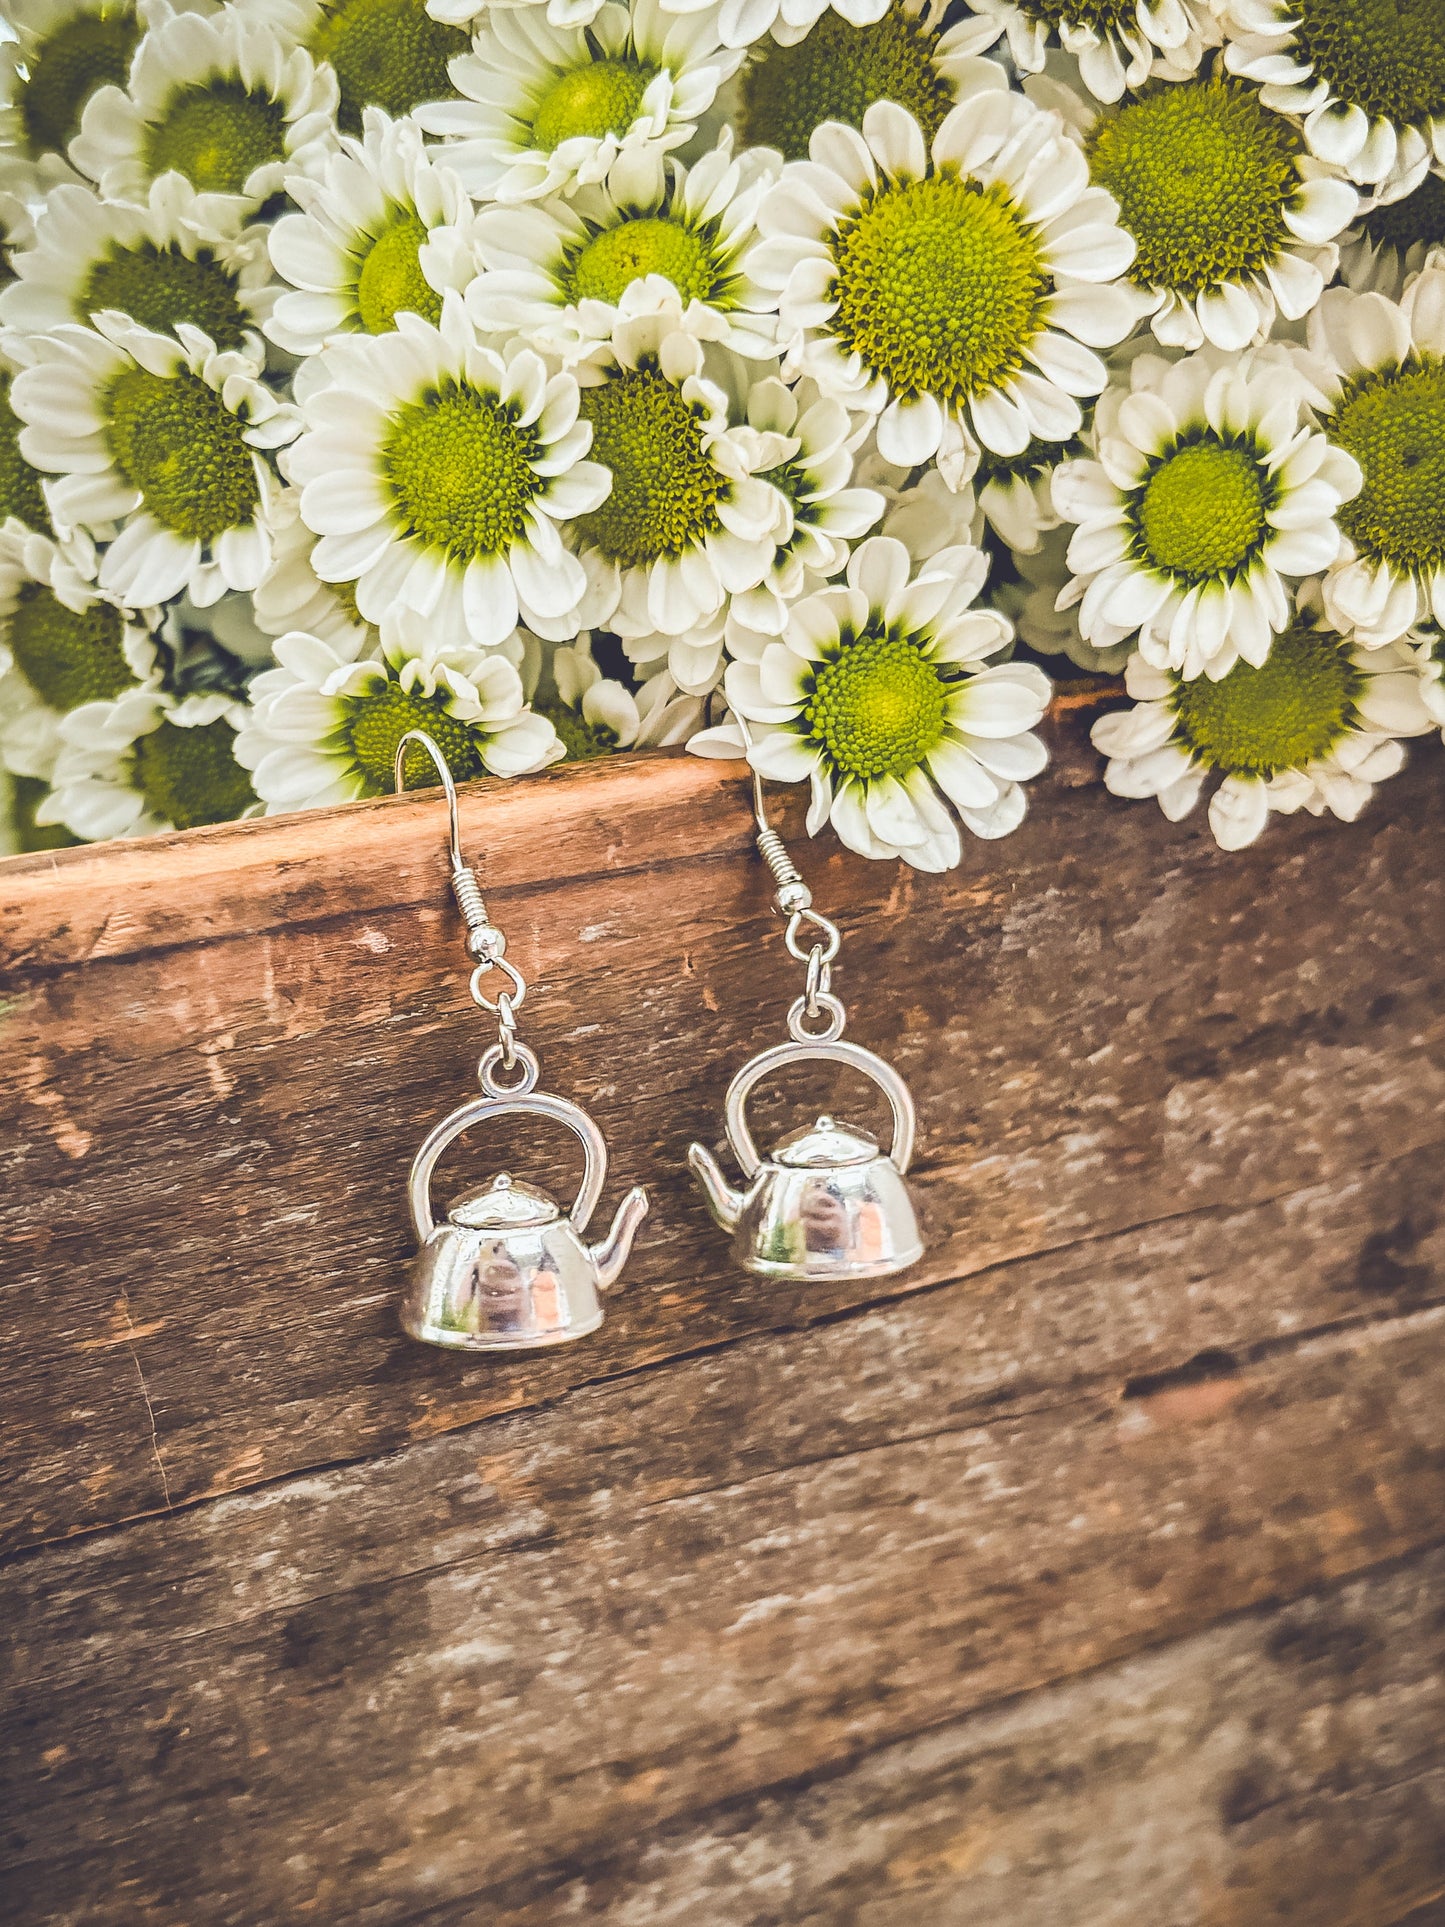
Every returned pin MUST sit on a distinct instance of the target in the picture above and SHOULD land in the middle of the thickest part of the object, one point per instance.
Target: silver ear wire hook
(485, 941)
(794, 900)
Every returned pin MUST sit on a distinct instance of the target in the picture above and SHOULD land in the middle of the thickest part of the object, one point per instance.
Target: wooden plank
(1283, 1769)
(392, 1685)
(1107, 1023)
(1432, 1914)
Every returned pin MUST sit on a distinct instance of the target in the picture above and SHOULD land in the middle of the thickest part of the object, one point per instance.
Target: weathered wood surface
(1093, 1573)
(209, 1120)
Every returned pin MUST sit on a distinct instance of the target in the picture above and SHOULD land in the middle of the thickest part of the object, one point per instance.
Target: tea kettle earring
(827, 1204)
(506, 1271)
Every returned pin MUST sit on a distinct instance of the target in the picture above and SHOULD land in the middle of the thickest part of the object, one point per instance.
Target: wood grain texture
(1091, 1573)
(390, 1685)
(208, 1119)
(1283, 1768)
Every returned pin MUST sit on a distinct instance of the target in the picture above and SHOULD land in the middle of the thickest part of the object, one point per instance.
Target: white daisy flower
(880, 696)
(1119, 44)
(593, 714)
(742, 23)
(688, 522)
(22, 496)
(834, 69)
(20, 798)
(1386, 402)
(215, 647)
(1366, 77)
(879, 255)
(58, 54)
(564, 272)
(169, 436)
(293, 596)
(816, 438)
(1233, 221)
(146, 762)
(560, 13)
(1393, 240)
(1315, 727)
(436, 470)
(1031, 602)
(1428, 645)
(224, 100)
(383, 229)
(925, 514)
(62, 643)
(390, 54)
(1210, 490)
(324, 725)
(173, 259)
(668, 716)
(550, 108)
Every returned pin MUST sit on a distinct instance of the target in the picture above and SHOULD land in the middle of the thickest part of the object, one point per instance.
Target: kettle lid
(504, 1204)
(825, 1143)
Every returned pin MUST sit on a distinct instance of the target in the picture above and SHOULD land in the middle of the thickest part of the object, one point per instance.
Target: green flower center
(387, 53)
(837, 73)
(1386, 56)
(582, 740)
(1418, 219)
(1284, 715)
(1101, 15)
(461, 471)
(19, 484)
(160, 286)
(1202, 512)
(611, 261)
(1201, 172)
(67, 659)
(665, 491)
(390, 280)
(217, 135)
(87, 51)
(1394, 426)
(175, 440)
(27, 793)
(878, 708)
(938, 287)
(191, 776)
(377, 723)
(593, 101)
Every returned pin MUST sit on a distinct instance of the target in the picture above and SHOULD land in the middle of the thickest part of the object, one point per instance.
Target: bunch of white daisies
(568, 375)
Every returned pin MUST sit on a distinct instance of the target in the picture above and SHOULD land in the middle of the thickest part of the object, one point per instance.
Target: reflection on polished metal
(828, 1203)
(506, 1271)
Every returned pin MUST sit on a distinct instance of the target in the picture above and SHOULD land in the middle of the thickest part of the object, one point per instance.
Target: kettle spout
(725, 1204)
(612, 1254)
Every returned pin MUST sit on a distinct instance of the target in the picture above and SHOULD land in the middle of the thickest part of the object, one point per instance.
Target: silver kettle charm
(827, 1204)
(506, 1271)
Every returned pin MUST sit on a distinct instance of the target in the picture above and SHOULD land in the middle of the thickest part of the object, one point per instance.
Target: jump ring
(832, 1030)
(508, 969)
(832, 936)
(495, 1056)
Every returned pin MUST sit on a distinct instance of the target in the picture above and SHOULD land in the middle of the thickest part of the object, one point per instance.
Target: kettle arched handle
(900, 1102)
(533, 1104)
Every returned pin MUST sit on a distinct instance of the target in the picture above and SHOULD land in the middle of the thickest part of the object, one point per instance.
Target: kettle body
(827, 1203)
(506, 1270)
